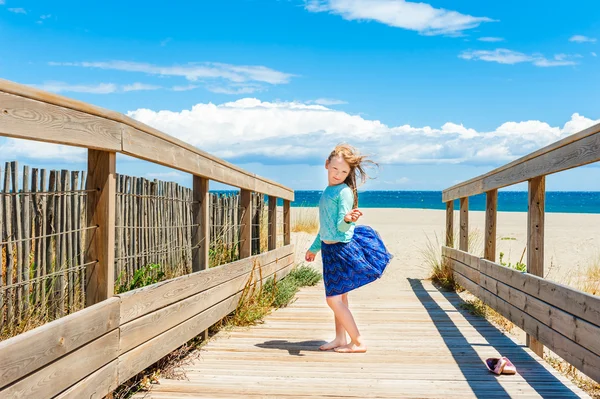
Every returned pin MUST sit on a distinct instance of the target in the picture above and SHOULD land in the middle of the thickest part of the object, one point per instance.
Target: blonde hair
(357, 163)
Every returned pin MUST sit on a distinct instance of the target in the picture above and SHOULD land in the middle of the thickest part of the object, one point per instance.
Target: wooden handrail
(29, 113)
(576, 150)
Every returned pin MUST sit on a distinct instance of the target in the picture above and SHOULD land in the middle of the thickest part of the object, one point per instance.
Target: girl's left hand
(353, 215)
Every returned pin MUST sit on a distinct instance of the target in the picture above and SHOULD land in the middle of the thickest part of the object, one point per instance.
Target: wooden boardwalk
(421, 345)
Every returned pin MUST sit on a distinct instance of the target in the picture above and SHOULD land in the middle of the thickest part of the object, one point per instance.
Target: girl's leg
(340, 332)
(343, 314)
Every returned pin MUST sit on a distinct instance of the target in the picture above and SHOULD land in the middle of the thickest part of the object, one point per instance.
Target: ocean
(508, 201)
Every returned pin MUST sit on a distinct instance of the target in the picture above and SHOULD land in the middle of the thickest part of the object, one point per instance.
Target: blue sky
(438, 92)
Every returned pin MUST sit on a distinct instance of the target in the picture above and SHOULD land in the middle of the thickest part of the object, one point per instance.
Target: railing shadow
(540, 379)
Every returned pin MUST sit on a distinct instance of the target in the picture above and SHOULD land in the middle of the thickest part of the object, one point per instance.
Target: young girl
(352, 255)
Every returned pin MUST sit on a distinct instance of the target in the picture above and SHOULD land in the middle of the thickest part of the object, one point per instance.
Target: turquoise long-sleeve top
(336, 201)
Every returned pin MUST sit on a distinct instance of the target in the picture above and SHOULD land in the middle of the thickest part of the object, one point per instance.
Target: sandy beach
(572, 241)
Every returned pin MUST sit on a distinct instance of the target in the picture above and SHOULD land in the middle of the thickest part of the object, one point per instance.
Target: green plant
(520, 266)
(142, 277)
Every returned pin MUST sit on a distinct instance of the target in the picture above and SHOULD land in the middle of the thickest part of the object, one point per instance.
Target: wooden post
(201, 234)
(464, 224)
(287, 227)
(490, 225)
(246, 224)
(100, 248)
(535, 241)
(450, 224)
(272, 240)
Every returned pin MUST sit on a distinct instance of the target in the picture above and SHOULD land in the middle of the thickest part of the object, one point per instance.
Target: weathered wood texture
(491, 211)
(450, 224)
(535, 239)
(575, 150)
(566, 320)
(34, 114)
(413, 330)
(272, 223)
(42, 234)
(103, 345)
(101, 211)
(464, 224)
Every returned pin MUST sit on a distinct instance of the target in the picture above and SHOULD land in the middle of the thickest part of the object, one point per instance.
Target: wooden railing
(564, 319)
(90, 352)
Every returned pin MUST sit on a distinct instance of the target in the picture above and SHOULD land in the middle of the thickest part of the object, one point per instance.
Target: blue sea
(508, 201)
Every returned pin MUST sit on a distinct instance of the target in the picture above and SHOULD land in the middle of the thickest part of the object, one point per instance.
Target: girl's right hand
(309, 257)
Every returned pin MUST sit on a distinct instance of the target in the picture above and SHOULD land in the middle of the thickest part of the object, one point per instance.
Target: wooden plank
(17, 236)
(149, 326)
(52, 380)
(572, 151)
(95, 386)
(51, 284)
(3, 282)
(583, 359)
(146, 354)
(31, 350)
(535, 239)
(491, 210)
(8, 234)
(272, 238)
(26, 198)
(580, 304)
(201, 232)
(470, 273)
(464, 224)
(572, 327)
(144, 300)
(287, 224)
(450, 224)
(166, 152)
(44, 223)
(69, 241)
(27, 92)
(35, 120)
(101, 212)
(246, 224)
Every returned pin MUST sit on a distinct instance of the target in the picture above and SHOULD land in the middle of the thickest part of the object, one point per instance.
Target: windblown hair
(357, 164)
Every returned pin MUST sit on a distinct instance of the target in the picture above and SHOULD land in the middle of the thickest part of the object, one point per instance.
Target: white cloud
(327, 101)
(140, 86)
(233, 88)
(18, 10)
(193, 71)
(43, 151)
(2, 2)
(276, 133)
(593, 54)
(505, 56)
(45, 16)
(491, 39)
(420, 17)
(59, 87)
(250, 130)
(184, 88)
(582, 39)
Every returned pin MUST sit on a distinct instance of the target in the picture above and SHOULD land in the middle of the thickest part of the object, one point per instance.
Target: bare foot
(333, 344)
(352, 348)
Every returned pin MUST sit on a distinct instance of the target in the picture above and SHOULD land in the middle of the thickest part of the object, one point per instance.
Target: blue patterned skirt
(349, 265)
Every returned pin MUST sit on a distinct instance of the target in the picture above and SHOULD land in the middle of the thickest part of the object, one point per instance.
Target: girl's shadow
(293, 348)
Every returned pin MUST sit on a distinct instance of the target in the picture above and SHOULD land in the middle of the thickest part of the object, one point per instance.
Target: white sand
(572, 241)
